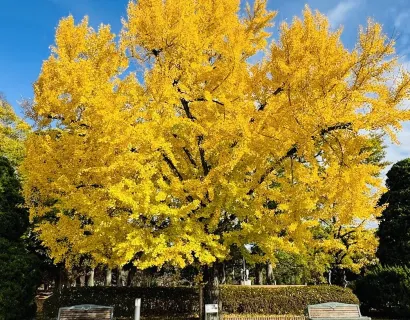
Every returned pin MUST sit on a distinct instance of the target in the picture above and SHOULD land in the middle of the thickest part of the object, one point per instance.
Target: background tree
(394, 227)
(19, 268)
(13, 132)
(298, 269)
(13, 217)
(346, 249)
(177, 163)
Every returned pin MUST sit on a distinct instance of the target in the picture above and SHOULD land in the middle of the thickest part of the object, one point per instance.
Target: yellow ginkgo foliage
(13, 132)
(168, 145)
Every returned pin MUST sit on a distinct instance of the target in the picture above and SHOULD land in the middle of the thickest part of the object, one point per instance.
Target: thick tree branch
(189, 198)
(190, 157)
(289, 154)
(156, 52)
(174, 169)
(188, 153)
(166, 179)
(293, 151)
(94, 185)
(213, 100)
(56, 117)
(205, 165)
(263, 105)
(346, 234)
(172, 166)
(275, 93)
(185, 105)
(338, 126)
(341, 236)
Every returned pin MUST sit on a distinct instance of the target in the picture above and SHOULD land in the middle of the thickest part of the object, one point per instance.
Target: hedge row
(156, 301)
(280, 300)
(184, 302)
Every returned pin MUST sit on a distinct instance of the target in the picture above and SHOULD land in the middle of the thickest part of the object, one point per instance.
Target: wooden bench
(86, 312)
(335, 311)
(262, 317)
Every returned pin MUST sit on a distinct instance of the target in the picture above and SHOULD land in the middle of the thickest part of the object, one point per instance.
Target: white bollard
(137, 308)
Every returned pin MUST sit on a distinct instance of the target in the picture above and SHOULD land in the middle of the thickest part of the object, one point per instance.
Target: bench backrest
(86, 312)
(262, 317)
(334, 310)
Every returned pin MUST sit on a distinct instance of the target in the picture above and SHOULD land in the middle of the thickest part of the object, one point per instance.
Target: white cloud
(339, 13)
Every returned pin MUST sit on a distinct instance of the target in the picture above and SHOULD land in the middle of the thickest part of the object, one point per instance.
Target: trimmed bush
(280, 300)
(156, 301)
(184, 302)
(385, 291)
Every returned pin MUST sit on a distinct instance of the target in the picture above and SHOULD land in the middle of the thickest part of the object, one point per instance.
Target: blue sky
(27, 30)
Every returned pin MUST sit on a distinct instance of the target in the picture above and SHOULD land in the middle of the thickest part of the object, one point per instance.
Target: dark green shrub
(385, 291)
(280, 300)
(156, 301)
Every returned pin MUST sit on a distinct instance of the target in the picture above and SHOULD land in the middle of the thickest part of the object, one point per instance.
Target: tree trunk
(61, 278)
(58, 280)
(82, 280)
(211, 288)
(131, 276)
(65, 281)
(118, 274)
(201, 302)
(259, 274)
(108, 277)
(90, 282)
(125, 277)
(269, 274)
(116, 277)
(122, 277)
(72, 278)
(223, 273)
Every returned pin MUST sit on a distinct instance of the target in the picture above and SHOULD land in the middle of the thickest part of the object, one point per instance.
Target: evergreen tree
(18, 268)
(13, 217)
(394, 229)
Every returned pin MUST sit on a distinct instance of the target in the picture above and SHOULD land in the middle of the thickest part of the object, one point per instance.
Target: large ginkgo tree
(170, 144)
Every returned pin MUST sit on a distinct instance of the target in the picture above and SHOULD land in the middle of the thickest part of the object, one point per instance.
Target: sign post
(211, 311)
(137, 308)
